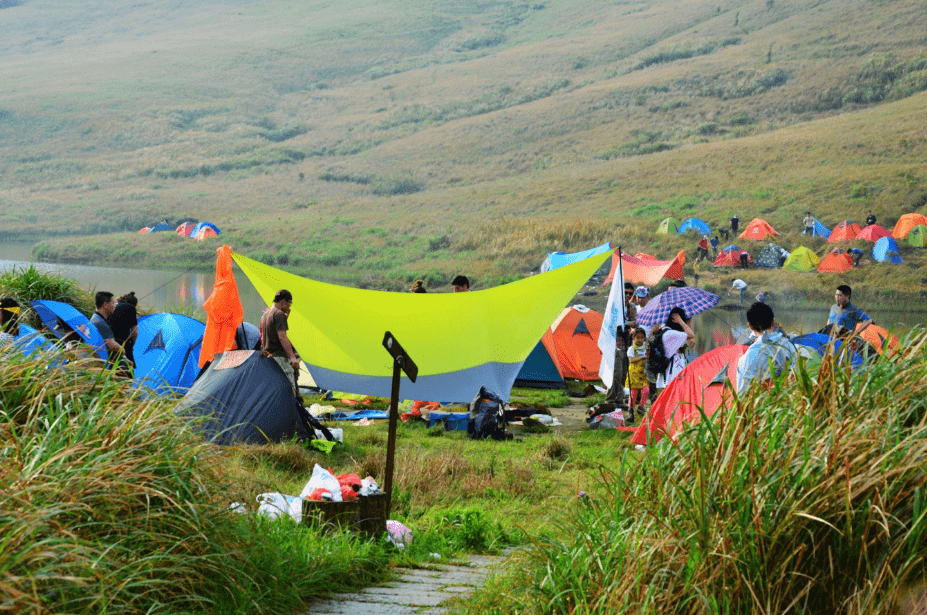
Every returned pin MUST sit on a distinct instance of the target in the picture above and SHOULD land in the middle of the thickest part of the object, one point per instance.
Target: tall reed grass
(806, 497)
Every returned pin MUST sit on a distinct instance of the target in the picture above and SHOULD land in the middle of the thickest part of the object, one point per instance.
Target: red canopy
(645, 269)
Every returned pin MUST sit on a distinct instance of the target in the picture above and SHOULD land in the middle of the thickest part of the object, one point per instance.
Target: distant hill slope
(420, 119)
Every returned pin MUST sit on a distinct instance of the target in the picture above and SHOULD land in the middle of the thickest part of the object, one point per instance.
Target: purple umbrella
(692, 300)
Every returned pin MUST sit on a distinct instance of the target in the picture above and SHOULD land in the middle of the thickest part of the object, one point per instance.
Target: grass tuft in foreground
(808, 497)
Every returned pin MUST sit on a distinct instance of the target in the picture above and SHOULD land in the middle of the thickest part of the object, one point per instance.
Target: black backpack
(657, 360)
(487, 417)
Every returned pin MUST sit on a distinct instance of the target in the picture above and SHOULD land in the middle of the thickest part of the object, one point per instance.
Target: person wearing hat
(461, 284)
(9, 321)
(641, 299)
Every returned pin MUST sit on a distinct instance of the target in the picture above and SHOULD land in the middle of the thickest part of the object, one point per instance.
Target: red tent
(185, 229)
(142, 231)
(758, 230)
(845, 231)
(730, 258)
(645, 269)
(204, 233)
(873, 233)
(576, 343)
(835, 262)
(700, 386)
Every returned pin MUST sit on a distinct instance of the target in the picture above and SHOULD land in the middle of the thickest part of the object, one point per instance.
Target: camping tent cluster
(198, 230)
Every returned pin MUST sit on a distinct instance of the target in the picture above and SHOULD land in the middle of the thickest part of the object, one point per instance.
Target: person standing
(274, 340)
(105, 306)
(771, 348)
(744, 259)
(676, 337)
(637, 378)
(124, 324)
(740, 285)
(735, 224)
(807, 224)
(696, 271)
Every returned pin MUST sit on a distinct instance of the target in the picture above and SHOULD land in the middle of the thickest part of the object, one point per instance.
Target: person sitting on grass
(771, 351)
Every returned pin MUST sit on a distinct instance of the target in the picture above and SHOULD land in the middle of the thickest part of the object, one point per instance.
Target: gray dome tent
(770, 256)
(243, 396)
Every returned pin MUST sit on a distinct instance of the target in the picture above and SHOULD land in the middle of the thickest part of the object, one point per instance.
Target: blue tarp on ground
(167, 352)
(49, 311)
(820, 230)
(694, 224)
(539, 371)
(555, 260)
(201, 225)
(160, 227)
(886, 249)
(819, 343)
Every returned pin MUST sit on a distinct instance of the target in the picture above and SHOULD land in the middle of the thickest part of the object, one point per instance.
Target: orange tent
(701, 387)
(836, 261)
(873, 233)
(144, 230)
(576, 342)
(204, 233)
(845, 231)
(906, 223)
(758, 230)
(878, 336)
(185, 229)
(645, 269)
(223, 309)
(730, 258)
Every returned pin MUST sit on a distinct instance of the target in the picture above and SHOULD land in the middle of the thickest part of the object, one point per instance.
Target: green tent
(668, 227)
(802, 259)
(917, 236)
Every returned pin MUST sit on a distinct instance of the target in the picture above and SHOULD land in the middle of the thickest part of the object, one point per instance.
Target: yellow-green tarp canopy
(459, 341)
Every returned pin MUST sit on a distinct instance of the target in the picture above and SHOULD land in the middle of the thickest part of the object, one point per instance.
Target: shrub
(390, 185)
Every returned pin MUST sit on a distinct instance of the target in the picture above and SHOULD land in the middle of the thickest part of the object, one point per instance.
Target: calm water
(168, 290)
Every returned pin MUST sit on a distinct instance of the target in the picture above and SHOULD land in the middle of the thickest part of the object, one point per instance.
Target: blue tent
(694, 224)
(539, 371)
(819, 342)
(31, 342)
(886, 249)
(160, 227)
(51, 311)
(820, 230)
(730, 248)
(167, 352)
(555, 260)
(201, 225)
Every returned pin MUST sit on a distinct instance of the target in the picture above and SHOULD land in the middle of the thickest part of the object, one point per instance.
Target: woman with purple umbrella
(676, 336)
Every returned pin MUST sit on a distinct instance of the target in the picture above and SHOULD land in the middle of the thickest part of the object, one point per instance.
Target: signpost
(401, 363)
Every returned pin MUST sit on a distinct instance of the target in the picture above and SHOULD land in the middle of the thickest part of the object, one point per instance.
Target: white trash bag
(275, 505)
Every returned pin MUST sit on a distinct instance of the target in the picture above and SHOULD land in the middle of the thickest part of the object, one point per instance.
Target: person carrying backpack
(666, 348)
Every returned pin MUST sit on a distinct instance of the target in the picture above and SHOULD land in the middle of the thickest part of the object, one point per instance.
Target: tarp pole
(391, 438)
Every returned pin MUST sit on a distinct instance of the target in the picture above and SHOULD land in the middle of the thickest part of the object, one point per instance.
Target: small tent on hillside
(886, 249)
(201, 225)
(802, 259)
(730, 258)
(704, 386)
(845, 231)
(204, 233)
(185, 229)
(144, 230)
(758, 230)
(668, 227)
(906, 223)
(819, 230)
(244, 397)
(540, 370)
(555, 260)
(50, 311)
(836, 261)
(873, 233)
(160, 228)
(770, 256)
(576, 342)
(167, 352)
(917, 236)
(694, 224)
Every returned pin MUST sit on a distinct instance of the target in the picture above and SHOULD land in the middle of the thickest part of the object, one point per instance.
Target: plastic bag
(322, 479)
(275, 505)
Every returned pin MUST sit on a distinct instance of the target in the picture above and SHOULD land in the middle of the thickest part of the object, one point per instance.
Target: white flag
(614, 317)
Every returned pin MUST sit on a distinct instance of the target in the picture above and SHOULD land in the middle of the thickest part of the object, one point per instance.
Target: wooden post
(401, 363)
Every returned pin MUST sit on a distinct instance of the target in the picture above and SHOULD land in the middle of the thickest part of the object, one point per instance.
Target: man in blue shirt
(105, 306)
(844, 315)
(771, 353)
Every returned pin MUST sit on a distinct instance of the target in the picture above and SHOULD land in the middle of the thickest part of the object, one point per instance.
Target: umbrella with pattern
(692, 300)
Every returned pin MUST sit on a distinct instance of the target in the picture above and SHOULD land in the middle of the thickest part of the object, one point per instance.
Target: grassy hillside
(388, 141)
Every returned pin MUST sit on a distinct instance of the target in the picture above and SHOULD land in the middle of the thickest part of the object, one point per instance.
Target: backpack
(657, 360)
(487, 417)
